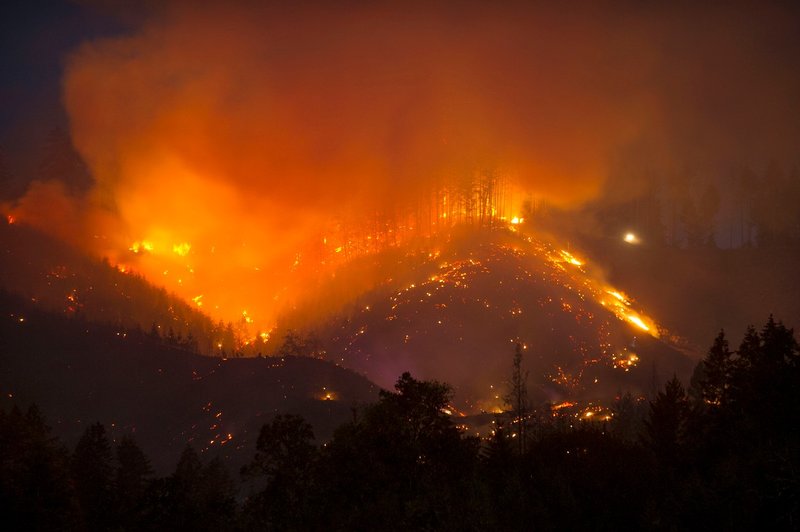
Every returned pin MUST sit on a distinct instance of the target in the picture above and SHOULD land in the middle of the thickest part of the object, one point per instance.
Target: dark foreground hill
(81, 372)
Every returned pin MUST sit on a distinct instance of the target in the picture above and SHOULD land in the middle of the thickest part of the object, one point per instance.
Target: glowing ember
(625, 361)
(141, 247)
(326, 395)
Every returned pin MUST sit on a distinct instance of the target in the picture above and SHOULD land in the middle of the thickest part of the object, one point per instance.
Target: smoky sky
(378, 99)
(254, 124)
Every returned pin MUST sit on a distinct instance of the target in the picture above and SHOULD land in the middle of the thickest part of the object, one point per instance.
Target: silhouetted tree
(501, 471)
(716, 369)
(281, 474)
(628, 419)
(35, 488)
(293, 345)
(217, 496)
(194, 497)
(92, 469)
(402, 463)
(765, 372)
(748, 446)
(131, 480)
(517, 397)
(665, 427)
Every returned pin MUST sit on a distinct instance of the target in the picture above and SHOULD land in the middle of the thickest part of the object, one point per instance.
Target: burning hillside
(461, 312)
(241, 154)
(448, 301)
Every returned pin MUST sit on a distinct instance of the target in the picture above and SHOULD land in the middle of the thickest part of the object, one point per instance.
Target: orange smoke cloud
(244, 133)
(237, 133)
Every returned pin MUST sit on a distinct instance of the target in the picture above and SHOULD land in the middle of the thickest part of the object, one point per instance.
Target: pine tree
(92, 470)
(717, 370)
(665, 428)
(130, 481)
(35, 490)
(626, 424)
(517, 397)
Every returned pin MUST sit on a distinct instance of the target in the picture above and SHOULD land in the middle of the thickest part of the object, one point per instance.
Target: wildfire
(225, 274)
(568, 257)
(625, 361)
(616, 295)
(142, 247)
(583, 282)
(182, 249)
(636, 320)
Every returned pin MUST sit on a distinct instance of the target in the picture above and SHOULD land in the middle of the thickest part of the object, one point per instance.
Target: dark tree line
(101, 486)
(721, 455)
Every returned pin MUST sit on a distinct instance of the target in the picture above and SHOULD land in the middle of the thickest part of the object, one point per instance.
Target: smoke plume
(226, 136)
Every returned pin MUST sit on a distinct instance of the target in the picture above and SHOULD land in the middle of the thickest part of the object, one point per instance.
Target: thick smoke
(246, 130)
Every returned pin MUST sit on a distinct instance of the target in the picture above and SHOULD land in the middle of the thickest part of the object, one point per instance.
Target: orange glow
(570, 259)
(565, 404)
(250, 176)
(631, 238)
(625, 361)
(616, 295)
(636, 320)
(327, 395)
(182, 249)
(141, 247)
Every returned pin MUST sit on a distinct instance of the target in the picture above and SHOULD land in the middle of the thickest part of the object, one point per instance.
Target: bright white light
(631, 238)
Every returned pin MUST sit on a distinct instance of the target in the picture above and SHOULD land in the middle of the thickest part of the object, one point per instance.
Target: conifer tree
(92, 470)
(130, 480)
(517, 397)
(665, 428)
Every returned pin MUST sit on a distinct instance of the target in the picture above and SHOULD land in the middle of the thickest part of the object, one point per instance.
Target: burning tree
(517, 397)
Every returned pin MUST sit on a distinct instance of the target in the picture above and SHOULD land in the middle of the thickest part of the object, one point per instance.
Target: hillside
(80, 372)
(461, 310)
(58, 277)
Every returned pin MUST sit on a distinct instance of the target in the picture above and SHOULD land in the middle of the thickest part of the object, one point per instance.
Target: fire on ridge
(458, 316)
